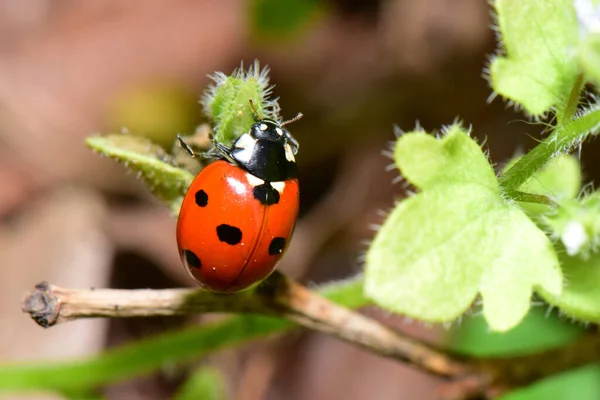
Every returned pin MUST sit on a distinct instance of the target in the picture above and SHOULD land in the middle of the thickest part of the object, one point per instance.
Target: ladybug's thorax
(266, 152)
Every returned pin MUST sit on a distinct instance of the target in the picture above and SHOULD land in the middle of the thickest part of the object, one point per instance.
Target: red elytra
(229, 240)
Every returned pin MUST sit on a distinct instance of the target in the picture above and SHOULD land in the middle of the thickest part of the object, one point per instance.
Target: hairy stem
(562, 140)
(565, 115)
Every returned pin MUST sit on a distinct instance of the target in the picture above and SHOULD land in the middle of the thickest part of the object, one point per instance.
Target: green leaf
(426, 161)
(205, 383)
(589, 57)
(83, 395)
(538, 332)
(280, 19)
(227, 102)
(540, 68)
(459, 237)
(437, 250)
(151, 163)
(580, 383)
(151, 354)
(580, 298)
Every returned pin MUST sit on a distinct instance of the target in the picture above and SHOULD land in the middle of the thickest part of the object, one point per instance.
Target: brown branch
(49, 305)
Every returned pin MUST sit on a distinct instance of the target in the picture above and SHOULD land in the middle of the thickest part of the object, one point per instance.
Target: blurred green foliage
(282, 18)
(539, 331)
(156, 111)
(204, 383)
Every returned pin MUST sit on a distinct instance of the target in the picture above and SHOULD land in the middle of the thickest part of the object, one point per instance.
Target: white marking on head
(279, 186)
(289, 154)
(279, 131)
(253, 180)
(238, 186)
(263, 127)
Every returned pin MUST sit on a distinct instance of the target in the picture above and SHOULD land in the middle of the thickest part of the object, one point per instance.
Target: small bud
(574, 237)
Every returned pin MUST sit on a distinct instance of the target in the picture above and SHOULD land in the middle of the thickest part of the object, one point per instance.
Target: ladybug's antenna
(289, 121)
(256, 115)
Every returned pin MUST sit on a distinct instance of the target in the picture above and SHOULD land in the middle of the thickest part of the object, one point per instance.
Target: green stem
(563, 139)
(152, 354)
(565, 115)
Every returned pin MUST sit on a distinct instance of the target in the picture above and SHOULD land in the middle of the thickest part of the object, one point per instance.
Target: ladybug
(239, 213)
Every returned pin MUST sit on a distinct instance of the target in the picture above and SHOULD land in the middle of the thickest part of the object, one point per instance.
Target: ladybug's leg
(192, 153)
(226, 151)
(218, 151)
(293, 142)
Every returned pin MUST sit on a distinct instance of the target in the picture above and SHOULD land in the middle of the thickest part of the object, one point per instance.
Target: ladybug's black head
(267, 151)
(266, 129)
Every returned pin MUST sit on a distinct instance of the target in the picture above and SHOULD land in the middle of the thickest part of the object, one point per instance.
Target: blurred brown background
(69, 69)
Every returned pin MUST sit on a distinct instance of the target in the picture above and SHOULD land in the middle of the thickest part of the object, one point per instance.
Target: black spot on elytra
(191, 259)
(266, 194)
(276, 246)
(229, 234)
(201, 198)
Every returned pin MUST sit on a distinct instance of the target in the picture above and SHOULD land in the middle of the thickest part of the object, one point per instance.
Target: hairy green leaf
(426, 161)
(437, 250)
(581, 294)
(227, 102)
(151, 163)
(540, 68)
